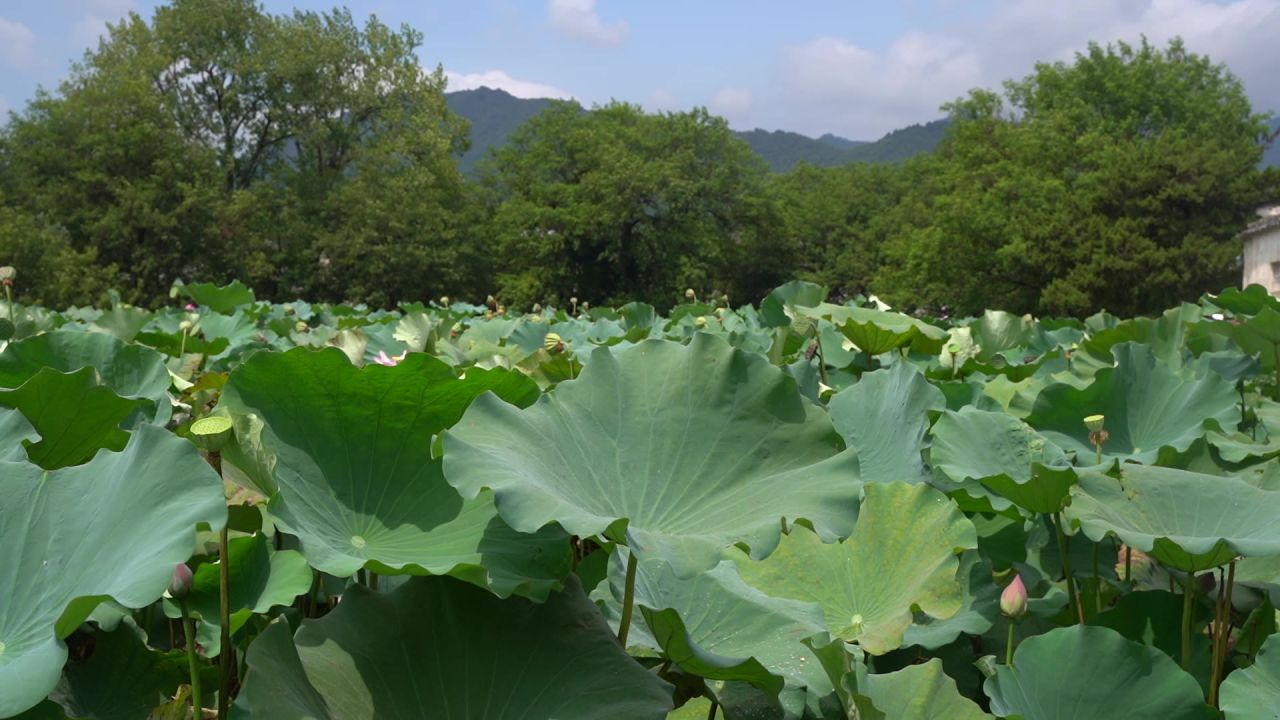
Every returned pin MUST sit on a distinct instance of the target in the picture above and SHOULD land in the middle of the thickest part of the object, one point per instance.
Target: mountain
(784, 150)
(495, 114)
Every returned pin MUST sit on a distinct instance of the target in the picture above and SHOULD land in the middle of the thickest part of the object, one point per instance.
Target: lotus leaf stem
(711, 714)
(1222, 634)
(193, 663)
(1008, 648)
(628, 599)
(8, 296)
(1188, 592)
(226, 658)
(822, 360)
(1072, 596)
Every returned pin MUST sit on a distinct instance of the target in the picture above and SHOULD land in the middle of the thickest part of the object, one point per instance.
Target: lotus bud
(690, 295)
(190, 307)
(300, 327)
(586, 305)
(288, 309)
(537, 308)
(1013, 601)
(444, 300)
(1095, 423)
(180, 583)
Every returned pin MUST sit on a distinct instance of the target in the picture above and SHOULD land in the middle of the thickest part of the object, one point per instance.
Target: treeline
(311, 156)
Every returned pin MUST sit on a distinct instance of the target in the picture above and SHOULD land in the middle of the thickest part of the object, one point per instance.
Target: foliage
(1118, 181)
(600, 513)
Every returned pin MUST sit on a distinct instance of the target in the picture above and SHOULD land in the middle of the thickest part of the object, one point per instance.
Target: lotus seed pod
(573, 300)
(212, 433)
(7, 273)
(300, 327)
(1094, 423)
(444, 300)
(180, 583)
(1013, 601)
(700, 322)
(553, 343)
(184, 326)
(690, 294)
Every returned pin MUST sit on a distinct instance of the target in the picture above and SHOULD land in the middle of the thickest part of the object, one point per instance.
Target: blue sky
(856, 68)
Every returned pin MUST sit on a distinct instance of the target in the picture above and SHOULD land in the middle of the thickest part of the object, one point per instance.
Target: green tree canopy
(616, 204)
(1117, 181)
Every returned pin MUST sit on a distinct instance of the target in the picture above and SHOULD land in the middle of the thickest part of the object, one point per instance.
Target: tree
(1118, 181)
(615, 205)
(303, 153)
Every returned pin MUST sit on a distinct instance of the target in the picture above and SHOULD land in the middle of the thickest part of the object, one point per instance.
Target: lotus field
(796, 510)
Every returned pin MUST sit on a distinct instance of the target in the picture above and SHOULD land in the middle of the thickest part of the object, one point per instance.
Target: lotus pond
(796, 510)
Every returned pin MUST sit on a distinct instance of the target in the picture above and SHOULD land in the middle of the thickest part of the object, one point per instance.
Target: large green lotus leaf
(357, 483)
(1087, 673)
(1166, 335)
(681, 451)
(903, 554)
(1248, 301)
(1148, 405)
(1186, 520)
(223, 299)
(1154, 617)
(997, 332)
(1004, 454)
(716, 626)
(437, 647)
(112, 528)
(1262, 442)
(778, 307)
(131, 371)
(1254, 692)
(15, 433)
(123, 322)
(884, 418)
(75, 415)
(121, 679)
(259, 578)
(878, 331)
(980, 608)
(918, 692)
(1258, 336)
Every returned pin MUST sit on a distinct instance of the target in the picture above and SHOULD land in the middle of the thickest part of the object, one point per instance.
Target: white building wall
(1262, 260)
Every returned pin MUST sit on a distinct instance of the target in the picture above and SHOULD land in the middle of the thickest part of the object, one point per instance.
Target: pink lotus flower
(191, 307)
(385, 359)
(1013, 601)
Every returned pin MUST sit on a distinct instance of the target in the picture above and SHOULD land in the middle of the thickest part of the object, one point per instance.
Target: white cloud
(17, 44)
(832, 84)
(731, 102)
(578, 19)
(499, 80)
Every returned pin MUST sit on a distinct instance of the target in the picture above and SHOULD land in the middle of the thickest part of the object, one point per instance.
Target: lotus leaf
(1004, 454)
(885, 418)
(681, 451)
(918, 692)
(74, 414)
(1148, 405)
(1086, 673)
(904, 553)
(437, 647)
(357, 482)
(134, 515)
(1186, 520)
(1254, 692)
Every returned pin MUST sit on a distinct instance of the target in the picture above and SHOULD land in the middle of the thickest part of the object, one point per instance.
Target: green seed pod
(212, 433)
(1095, 423)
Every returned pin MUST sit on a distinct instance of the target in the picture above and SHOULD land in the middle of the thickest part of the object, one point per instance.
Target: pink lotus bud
(190, 307)
(1013, 601)
(180, 583)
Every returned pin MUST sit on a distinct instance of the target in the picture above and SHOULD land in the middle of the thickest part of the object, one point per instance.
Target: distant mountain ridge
(495, 114)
